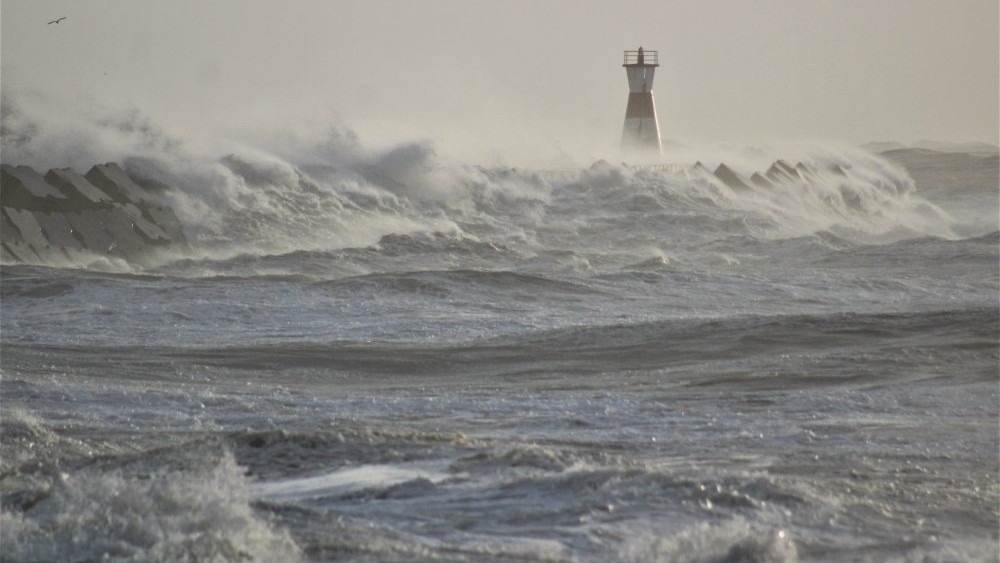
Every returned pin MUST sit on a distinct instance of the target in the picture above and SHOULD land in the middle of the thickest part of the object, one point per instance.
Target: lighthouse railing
(648, 58)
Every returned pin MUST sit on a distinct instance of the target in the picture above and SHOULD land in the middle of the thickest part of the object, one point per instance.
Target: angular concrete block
(57, 230)
(8, 232)
(805, 172)
(31, 180)
(780, 173)
(31, 231)
(89, 225)
(165, 218)
(12, 192)
(760, 181)
(21, 252)
(76, 187)
(730, 178)
(6, 255)
(23, 188)
(127, 241)
(146, 228)
(112, 180)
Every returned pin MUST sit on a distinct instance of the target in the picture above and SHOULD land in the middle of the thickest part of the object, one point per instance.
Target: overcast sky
(474, 72)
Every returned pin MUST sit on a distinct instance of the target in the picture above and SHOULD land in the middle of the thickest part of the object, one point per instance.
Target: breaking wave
(199, 510)
(320, 189)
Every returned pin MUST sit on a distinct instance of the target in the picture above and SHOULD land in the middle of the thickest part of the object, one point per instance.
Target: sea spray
(198, 512)
(319, 187)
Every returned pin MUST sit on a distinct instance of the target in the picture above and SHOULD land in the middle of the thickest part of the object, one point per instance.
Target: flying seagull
(57, 20)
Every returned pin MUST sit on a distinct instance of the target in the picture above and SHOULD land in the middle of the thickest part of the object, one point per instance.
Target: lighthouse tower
(641, 133)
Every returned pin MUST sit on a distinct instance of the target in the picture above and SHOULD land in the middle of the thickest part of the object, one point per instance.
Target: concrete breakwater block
(8, 232)
(17, 252)
(57, 230)
(125, 240)
(112, 180)
(781, 172)
(77, 188)
(24, 188)
(88, 225)
(164, 218)
(65, 216)
(730, 178)
(760, 181)
(26, 224)
(147, 228)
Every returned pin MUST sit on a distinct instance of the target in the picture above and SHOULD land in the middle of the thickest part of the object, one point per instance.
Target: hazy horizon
(484, 77)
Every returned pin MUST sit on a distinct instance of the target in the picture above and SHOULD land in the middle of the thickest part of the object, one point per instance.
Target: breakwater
(67, 217)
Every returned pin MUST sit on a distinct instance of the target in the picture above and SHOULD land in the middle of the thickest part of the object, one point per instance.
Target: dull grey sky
(476, 73)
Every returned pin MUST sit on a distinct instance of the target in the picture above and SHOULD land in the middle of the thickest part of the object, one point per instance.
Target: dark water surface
(499, 365)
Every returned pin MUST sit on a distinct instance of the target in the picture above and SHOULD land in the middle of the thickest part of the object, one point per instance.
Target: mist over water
(317, 186)
(385, 351)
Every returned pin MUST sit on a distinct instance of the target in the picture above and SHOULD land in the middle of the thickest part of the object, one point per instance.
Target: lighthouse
(641, 133)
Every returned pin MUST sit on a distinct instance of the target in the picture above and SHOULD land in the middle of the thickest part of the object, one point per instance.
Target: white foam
(346, 481)
(316, 187)
(199, 514)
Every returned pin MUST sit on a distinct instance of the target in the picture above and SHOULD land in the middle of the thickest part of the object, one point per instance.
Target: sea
(383, 354)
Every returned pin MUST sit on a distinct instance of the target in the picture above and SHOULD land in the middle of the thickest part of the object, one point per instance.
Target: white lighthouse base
(641, 132)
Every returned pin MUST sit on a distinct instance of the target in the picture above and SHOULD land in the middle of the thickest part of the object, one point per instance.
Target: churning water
(376, 356)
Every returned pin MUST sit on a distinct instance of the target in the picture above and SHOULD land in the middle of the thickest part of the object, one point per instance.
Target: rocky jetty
(65, 217)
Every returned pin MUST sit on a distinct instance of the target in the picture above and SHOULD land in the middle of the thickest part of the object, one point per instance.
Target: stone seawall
(64, 217)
